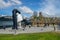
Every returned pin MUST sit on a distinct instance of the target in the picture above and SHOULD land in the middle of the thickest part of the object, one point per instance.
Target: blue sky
(27, 7)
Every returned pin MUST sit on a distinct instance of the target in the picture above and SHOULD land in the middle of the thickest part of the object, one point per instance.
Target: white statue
(19, 19)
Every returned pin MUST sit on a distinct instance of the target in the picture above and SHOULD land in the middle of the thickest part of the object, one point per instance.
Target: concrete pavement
(28, 30)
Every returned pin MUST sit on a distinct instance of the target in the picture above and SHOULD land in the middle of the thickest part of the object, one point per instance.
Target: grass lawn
(31, 36)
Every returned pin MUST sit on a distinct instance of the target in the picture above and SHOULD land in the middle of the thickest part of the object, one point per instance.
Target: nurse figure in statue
(19, 19)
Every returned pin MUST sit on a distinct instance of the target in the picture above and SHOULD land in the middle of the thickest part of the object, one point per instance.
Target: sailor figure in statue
(16, 18)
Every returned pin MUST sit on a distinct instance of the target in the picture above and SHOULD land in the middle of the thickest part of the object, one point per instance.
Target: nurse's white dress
(19, 19)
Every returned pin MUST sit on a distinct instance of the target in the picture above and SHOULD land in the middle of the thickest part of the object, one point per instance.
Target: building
(41, 20)
(6, 21)
(35, 13)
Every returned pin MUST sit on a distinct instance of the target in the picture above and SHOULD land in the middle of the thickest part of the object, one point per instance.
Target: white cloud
(16, 1)
(26, 9)
(50, 7)
(4, 4)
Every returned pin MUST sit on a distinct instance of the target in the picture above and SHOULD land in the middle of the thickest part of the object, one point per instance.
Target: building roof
(5, 18)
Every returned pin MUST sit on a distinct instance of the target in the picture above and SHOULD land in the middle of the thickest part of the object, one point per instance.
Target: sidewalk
(27, 30)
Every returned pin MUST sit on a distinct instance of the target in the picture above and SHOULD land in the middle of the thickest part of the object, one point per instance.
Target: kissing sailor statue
(16, 18)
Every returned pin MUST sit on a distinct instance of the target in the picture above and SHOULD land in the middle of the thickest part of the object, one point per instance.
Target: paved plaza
(30, 30)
